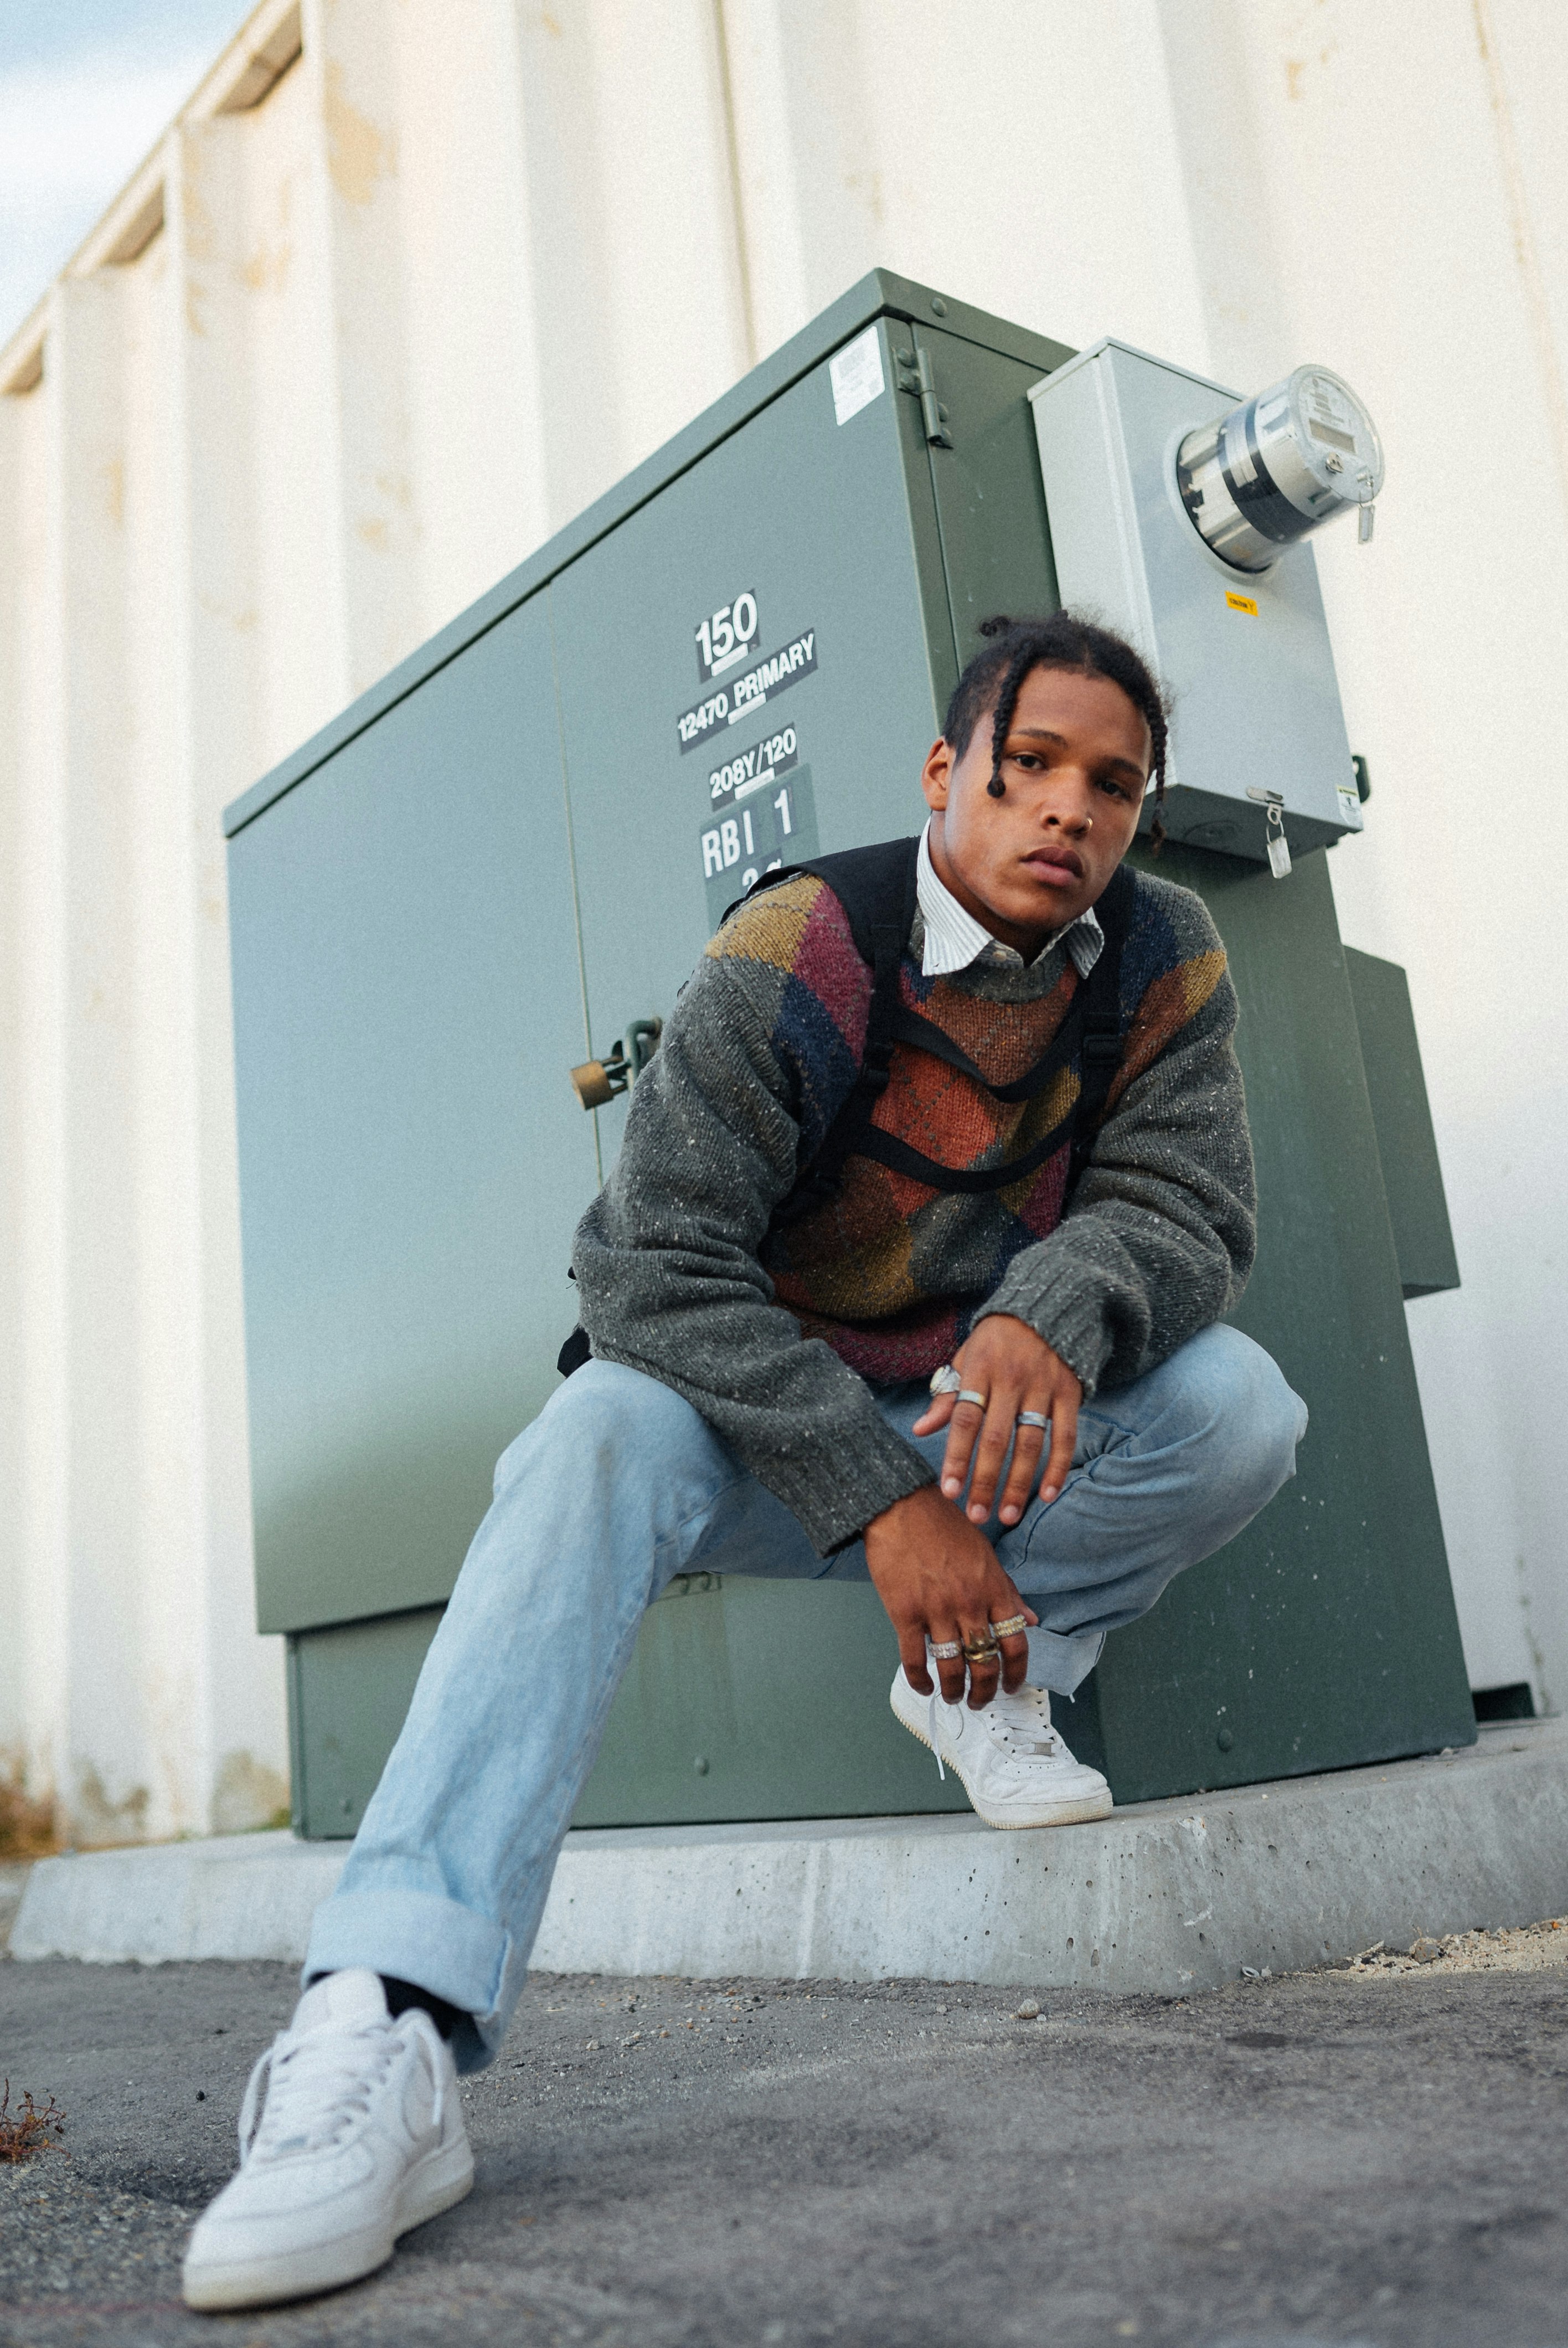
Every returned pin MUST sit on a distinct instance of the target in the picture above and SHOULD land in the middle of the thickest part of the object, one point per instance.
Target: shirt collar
(955, 940)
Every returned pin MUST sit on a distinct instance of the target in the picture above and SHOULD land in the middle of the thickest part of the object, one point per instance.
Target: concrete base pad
(1163, 1896)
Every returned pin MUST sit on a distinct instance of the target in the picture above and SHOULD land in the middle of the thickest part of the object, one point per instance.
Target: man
(882, 1222)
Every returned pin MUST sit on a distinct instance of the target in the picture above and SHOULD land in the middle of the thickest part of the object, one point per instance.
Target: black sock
(401, 1994)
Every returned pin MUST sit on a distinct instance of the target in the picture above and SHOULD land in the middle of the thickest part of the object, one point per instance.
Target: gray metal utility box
(513, 847)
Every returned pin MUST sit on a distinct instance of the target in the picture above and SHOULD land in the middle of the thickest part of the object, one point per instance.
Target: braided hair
(1014, 648)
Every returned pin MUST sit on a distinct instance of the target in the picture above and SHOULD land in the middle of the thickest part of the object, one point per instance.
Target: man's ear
(936, 774)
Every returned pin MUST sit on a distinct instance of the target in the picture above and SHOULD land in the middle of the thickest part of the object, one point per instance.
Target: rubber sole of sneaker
(1047, 1814)
(440, 2183)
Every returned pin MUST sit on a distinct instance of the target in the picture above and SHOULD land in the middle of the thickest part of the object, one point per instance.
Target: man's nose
(1070, 806)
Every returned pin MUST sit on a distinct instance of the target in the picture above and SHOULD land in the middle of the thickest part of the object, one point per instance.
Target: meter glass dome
(1280, 465)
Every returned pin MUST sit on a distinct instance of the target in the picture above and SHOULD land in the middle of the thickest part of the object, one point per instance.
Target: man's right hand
(938, 1577)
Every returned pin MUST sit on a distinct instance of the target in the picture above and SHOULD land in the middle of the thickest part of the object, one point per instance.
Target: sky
(85, 87)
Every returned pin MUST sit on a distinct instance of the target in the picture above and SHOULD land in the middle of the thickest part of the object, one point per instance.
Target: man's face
(1075, 767)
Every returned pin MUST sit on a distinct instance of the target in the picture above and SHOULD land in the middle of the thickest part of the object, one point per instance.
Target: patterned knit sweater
(773, 1338)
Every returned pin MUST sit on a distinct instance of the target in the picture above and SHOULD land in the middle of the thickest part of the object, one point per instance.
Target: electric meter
(1134, 452)
(1282, 463)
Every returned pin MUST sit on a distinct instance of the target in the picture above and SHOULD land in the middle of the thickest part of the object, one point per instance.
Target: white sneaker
(1013, 1765)
(362, 2136)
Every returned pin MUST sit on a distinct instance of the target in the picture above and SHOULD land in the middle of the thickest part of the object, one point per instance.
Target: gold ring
(981, 1651)
(1011, 1629)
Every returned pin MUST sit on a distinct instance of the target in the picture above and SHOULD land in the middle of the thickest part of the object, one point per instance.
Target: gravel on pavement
(1311, 2158)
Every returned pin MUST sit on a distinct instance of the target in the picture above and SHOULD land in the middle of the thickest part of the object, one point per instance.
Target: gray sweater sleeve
(667, 1269)
(1160, 1239)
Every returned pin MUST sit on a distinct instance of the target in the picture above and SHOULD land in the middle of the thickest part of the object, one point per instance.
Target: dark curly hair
(1014, 647)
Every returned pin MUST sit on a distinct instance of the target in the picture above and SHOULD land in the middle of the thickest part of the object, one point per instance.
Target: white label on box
(857, 372)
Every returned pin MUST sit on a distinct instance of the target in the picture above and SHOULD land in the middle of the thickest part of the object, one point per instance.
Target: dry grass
(1512, 1948)
(27, 1829)
(28, 2130)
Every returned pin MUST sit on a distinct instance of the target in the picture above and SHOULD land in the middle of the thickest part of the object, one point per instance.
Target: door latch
(599, 1082)
(1278, 847)
(916, 378)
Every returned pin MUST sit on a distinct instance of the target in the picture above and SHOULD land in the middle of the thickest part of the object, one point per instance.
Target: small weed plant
(28, 2129)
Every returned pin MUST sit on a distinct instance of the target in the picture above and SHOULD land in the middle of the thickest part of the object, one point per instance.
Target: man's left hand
(1015, 1370)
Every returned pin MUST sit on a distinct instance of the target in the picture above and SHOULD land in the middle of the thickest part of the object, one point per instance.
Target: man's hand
(1015, 1370)
(937, 1575)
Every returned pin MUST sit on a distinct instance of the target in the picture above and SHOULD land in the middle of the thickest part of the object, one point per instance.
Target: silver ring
(1032, 1418)
(945, 1380)
(967, 1394)
(946, 1651)
(1013, 1628)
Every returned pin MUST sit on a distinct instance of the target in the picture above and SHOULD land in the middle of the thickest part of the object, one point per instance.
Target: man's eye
(1030, 760)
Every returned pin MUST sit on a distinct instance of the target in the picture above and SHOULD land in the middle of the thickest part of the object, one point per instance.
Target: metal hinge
(915, 376)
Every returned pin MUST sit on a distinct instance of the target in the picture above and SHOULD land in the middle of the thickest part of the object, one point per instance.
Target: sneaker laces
(1029, 1738)
(1023, 1739)
(319, 2084)
(1013, 1719)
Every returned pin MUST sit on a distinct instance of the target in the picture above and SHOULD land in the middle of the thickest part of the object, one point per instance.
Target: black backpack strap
(872, 885)
(909, 1028)
(1092, 1028)
(1103, 1040)
(875, 886)
(888, 1150)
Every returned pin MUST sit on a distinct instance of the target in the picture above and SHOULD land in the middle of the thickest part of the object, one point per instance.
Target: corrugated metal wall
(406, 285)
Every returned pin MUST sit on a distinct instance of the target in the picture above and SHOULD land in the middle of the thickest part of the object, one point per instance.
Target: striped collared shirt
(954, 939)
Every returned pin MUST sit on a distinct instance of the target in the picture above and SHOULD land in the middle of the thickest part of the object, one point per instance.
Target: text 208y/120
(755, 768)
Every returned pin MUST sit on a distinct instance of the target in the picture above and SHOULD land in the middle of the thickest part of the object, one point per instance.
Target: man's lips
(1056, 864)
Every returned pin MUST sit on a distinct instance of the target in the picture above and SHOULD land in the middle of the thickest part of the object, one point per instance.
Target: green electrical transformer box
(496, 863)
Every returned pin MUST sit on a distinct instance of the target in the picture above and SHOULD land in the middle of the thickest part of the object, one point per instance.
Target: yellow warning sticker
(1241, 602)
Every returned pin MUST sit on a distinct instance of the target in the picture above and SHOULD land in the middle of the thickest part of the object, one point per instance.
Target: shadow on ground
(1318, 2158)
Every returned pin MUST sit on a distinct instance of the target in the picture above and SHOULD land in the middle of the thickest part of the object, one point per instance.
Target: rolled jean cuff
(414, 1936)
(1060, 1660)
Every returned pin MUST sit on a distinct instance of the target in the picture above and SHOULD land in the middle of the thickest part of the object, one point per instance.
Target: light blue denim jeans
(618, 1486)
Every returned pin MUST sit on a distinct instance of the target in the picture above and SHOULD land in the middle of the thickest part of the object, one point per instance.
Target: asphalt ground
(1324, 2157)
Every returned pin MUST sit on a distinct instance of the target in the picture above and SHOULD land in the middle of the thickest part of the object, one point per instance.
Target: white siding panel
(1399, 245)
(278, 248)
